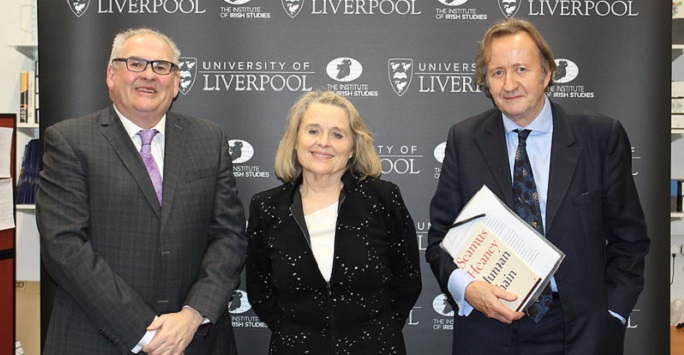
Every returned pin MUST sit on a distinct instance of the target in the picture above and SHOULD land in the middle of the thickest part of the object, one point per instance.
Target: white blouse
(321, 226)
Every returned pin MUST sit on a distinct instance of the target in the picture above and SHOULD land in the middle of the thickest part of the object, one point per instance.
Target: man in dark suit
(140, 269)
(581, 164)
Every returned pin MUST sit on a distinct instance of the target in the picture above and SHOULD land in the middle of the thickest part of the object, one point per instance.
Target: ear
(110, 76)
(547, 79)
(176, 86)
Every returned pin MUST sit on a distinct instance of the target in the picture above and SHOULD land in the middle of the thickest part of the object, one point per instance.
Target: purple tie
(146, 136)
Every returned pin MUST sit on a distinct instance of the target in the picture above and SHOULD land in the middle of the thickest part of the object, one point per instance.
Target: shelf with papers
(26, 136)
(676, 133)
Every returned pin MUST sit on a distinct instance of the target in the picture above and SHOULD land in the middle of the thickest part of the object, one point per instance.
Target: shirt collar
(132, 128)
(542, 123)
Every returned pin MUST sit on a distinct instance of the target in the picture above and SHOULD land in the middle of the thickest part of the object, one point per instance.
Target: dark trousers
(479, 335)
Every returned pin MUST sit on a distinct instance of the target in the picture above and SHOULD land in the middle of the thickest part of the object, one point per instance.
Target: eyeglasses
(135, 64)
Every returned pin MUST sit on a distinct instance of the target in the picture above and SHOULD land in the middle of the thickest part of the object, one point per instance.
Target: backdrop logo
(240, 151)
(567, 71)
(446, 77)
(256, 76)
(439, 152)
(292, 7)
(509, 7)
(188, 72)
(411, 322)
(238, 305)
(422, 229)
(442, 306)
(453, 2)
(453, 11)
(400, 72)
(635, 159)
(237, 11)
(78, 7)
(150, 7)
(344, 69)
(601, 8)
(238, 302)
(364, 7)
(566, 74)
(399, 160)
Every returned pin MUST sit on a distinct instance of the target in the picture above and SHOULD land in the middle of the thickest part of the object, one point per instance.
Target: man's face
(143, 97)
(516, 78)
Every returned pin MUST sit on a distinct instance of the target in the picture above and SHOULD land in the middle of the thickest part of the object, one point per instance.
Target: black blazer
(593, 213)
(375, 278)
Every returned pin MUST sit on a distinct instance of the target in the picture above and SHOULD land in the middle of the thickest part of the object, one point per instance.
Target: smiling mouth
(146, 90)
(321, 155)
(513, 98)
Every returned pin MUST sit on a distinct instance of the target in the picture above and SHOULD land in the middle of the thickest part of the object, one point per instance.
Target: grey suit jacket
(593, 215)
(117, 256)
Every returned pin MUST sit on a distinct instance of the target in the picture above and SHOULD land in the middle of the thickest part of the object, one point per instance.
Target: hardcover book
(491, 243)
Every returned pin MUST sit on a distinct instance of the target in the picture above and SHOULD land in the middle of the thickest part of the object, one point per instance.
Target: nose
(509, 83)
(324, 140)
(148, 72)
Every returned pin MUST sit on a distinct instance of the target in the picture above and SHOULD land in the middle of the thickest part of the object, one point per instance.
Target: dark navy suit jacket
(593, 214)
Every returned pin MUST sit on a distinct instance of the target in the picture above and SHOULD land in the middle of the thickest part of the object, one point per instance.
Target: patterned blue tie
(526, 205)
(146, 137)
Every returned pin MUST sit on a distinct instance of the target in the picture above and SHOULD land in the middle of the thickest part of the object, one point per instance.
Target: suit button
(165, 253)
(162, 301)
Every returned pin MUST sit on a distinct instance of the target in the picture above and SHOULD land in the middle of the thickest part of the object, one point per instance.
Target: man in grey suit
(139, 269)
(588, 203)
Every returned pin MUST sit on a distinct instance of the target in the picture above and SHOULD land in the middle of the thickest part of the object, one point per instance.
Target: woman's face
(324, 141)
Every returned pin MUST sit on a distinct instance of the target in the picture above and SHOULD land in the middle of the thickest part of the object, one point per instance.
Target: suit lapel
(115, 133)
(173, 157)
(565, 155)
(491, 141)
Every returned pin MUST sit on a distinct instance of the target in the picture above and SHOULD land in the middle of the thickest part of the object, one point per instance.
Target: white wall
(18, 19)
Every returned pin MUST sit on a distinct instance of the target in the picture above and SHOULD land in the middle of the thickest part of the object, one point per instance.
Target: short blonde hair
(364, 161)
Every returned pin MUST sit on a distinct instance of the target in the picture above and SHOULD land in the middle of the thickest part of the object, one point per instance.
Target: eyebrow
(514, 65)
(318, 125)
